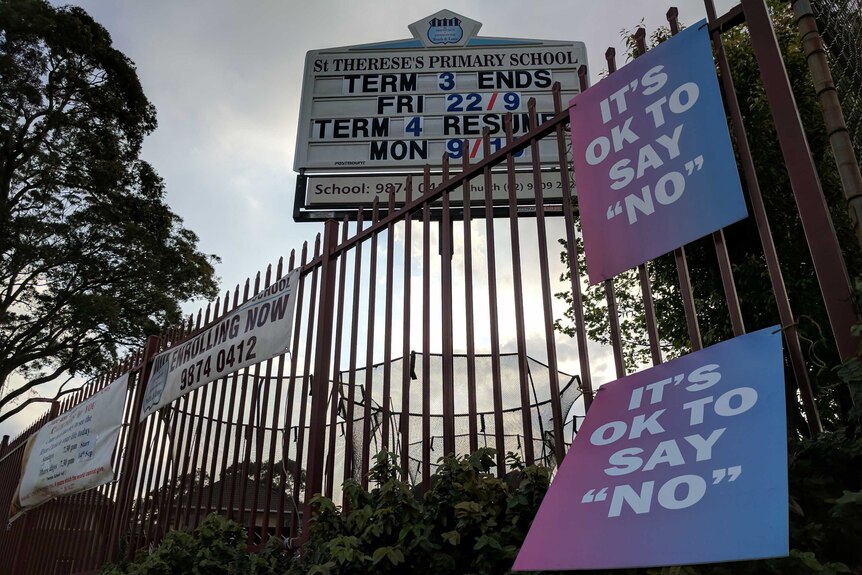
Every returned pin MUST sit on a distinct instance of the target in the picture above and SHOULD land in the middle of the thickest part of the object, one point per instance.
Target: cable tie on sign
(785, 327)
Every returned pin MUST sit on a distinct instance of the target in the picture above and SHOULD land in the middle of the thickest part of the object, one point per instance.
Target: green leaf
(379, 554)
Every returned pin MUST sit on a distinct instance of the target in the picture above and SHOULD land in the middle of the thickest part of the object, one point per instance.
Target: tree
(93, 260)
(752, 282)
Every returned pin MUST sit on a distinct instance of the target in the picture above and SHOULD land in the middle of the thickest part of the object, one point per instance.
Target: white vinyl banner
(72, 453)
(256, 331)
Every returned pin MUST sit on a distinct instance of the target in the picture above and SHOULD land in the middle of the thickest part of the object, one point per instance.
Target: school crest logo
(158, 380)
(445, 30)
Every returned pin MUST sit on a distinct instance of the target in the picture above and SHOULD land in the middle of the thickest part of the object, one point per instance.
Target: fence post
(320, 378)
(807, 190)
(131, 459)
(833, 116)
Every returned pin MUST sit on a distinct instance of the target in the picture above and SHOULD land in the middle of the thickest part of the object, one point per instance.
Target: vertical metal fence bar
(349, 433)
(387, 325)
(22, 550)
(285, 433)
(46, 552)
(94, 523)
(90, 551)
(473, 429)
(196, 484)
(138, 532)
(19, 559)
(237, 464)
(46, 516)
(229, 423)
(7, 477)
(367, 395)
(172, 474)
(614, 323)
(250, 430)
(643, 269)
(49, 513)
(261, 431)
(687, 299)
(98, 550)
(151, 462)
(329, 474)
(610, 294)
(823, 244)
(446, 320)
(493, 310)
(291, 394)
(426, 334)
(190, 445)
(34, 561)
(216, 393)
(276, 414)
(547, 294)
(159, 468)
(518, 294)
(19, 556)
(69, 519)
(89, 500)
(733, 307)
(181, 481)
(57, 531)
(405, 339)
(162, 495)
(785, 313)
(571, 248)
(131, 460)
(322, 363)
(65, 519)
(306, 381)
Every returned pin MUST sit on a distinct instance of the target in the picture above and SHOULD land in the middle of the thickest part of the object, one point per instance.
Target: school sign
(373, 113)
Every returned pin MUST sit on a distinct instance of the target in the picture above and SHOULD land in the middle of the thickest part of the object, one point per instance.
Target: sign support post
(807, 190)
(131, 460)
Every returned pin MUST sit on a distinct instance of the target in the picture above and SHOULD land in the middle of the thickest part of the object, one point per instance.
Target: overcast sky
(225, 77)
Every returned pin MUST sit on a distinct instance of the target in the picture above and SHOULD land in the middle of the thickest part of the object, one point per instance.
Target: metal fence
(841, 24)
(422, 328)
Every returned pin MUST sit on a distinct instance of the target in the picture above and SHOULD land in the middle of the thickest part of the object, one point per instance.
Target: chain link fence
(840, 24)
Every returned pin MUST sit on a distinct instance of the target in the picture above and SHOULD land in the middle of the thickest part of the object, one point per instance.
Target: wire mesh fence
(840, 23)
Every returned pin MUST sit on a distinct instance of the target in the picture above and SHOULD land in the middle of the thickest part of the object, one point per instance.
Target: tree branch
(33, 400)
(14, 394)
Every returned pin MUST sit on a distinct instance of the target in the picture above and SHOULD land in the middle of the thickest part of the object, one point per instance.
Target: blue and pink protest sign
(652, 156)
(682, 463)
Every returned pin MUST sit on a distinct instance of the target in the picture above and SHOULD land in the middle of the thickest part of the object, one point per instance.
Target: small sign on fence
(682, 463)
(72, 453)
(256, 331)
(654, 165)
